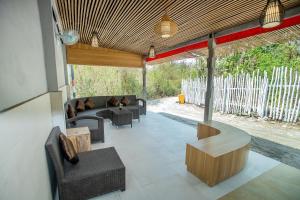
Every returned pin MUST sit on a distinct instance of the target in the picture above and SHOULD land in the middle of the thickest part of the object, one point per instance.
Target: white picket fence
(251, 95)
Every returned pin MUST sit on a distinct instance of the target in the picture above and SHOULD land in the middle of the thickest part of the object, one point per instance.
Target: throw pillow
(68, 149)
(70, 111)
(114, 102)
(80, 105)
(125, 101)
(89, 103)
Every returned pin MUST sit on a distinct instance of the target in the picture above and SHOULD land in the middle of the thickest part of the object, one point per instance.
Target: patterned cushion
(113, 102)
(125, 101)
(68, 149)
(89, 103)
(80, 106)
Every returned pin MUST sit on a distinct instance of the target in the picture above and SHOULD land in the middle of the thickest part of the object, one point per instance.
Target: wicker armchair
(97, 131)
(142, 107)
(97, 172)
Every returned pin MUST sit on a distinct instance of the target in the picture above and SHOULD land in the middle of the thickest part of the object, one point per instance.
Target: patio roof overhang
(235, 39)
(129, 25)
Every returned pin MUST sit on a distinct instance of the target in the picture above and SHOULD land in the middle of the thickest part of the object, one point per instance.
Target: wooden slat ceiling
(128, 25)
(279, 36)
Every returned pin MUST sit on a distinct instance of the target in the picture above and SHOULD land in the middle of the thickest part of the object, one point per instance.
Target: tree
(165, 79)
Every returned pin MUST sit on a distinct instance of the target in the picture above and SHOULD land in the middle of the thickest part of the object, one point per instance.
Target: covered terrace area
(46, 156)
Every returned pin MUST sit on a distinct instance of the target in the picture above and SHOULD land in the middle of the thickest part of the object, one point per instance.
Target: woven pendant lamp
(272, 15)
(151, 53)
(166, 27)
(94, 42)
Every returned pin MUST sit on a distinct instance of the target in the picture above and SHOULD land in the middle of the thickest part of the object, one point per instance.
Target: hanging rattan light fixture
(95, 40)
(272, 15)
(166, 27)
(151, 53)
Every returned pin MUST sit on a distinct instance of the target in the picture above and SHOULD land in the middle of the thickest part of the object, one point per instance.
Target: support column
(144, 81)
(209, 99)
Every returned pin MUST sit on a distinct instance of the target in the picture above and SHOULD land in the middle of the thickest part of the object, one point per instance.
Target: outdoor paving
(153, 152)
(278, 132)
(282, 153)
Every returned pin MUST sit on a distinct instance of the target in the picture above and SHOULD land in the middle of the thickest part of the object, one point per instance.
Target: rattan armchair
(142, 107)
(97, 172)
(94, 123)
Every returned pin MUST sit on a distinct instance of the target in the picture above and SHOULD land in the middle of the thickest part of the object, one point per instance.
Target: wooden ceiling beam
(84, 54)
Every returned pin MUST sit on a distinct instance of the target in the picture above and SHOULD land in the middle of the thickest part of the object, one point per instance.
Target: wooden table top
(280, 183)
(229, 139)
(78, 131)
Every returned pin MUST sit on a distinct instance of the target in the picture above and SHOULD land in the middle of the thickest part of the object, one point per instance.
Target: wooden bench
(220, 152)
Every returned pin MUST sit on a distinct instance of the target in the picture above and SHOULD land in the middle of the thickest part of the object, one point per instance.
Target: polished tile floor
(153, 152)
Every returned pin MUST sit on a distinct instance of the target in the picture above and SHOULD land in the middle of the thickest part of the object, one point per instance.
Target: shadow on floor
(284, 154)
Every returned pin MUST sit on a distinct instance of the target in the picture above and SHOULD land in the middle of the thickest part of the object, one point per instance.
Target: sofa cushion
(80, 106)
(89, 103)
(125, 101)
(113, 102)
(68, 149)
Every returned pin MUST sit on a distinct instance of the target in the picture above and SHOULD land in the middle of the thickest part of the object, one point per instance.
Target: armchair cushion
(93, 163)
(68, 149)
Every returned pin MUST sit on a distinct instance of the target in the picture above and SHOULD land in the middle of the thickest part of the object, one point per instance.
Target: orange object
(181, 98)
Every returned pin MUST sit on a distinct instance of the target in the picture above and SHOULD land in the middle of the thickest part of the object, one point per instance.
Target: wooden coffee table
(81, 138)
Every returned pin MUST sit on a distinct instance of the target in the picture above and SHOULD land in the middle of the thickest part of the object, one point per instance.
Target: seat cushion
(92, 124)
(89, 112)
(93, 163)
(132, 107)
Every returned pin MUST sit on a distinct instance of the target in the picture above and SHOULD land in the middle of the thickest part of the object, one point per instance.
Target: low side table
(81, 138)
(121, 117)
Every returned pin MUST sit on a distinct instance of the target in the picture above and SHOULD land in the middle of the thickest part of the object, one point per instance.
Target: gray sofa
(97, 172)
(101, 102)
(95, 123)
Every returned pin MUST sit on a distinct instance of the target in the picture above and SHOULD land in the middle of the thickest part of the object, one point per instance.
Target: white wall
(23, 166)
(22, 66)
(25, 73)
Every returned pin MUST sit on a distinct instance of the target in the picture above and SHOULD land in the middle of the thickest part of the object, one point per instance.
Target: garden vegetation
(165, 79)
